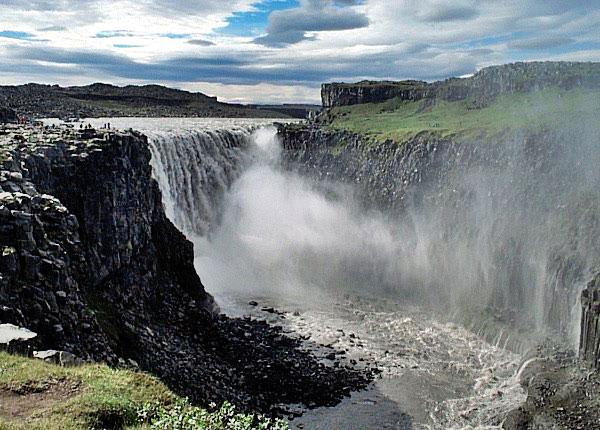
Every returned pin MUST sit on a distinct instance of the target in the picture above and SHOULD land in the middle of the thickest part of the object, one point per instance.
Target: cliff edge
(484, 86)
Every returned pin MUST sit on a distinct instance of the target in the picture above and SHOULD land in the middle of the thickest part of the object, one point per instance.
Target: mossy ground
(401, 120)
(90, 396)
(35, 395)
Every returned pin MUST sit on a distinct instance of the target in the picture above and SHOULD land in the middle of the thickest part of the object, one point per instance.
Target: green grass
(103, 394)
(35, 395)
(400, 120)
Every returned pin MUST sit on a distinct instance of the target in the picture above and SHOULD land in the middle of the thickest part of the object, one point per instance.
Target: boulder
(61, 358)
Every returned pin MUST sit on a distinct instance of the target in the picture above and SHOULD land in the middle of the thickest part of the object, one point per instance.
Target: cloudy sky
(281, 50)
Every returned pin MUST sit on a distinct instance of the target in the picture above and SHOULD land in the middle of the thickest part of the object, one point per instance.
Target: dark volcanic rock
(340, 94)
(589, 345)
(7, 115)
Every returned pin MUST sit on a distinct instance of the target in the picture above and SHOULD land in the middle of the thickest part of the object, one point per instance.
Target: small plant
(183, 416)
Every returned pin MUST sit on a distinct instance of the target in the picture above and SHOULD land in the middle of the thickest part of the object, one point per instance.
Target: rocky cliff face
(42, 266)
(87, 237)
(483, 87)
(339, 94)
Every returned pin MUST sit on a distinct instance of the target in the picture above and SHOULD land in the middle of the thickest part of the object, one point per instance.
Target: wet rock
(589, 345)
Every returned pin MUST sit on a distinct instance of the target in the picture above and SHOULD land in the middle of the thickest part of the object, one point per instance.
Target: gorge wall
(88, 240)
(90, 262)
(502, 226)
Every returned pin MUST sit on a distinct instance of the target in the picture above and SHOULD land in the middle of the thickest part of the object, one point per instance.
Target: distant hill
(104, 100)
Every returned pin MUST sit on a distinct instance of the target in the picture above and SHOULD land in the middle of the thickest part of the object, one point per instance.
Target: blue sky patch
(19, 35)
(254, 23)
(116, 33)
(176, 36)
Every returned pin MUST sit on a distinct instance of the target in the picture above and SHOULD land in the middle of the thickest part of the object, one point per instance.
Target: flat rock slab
(10, 333)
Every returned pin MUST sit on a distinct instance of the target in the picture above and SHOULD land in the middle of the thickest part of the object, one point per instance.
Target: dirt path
(21, 403)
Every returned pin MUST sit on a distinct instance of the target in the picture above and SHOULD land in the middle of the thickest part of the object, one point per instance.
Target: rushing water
(263, 233)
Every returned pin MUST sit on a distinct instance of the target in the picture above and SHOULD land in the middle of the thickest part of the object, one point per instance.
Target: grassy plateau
(400, 120)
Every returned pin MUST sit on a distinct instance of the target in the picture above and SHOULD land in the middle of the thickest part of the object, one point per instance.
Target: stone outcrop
(42, 266)
(482, 87)
(85, 238)
(7, 115)
(589, 345)
(340, 94)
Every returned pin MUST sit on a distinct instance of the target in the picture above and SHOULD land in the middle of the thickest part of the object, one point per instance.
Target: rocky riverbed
(432, 374)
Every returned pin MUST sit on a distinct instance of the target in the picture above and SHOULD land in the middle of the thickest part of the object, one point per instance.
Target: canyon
(447, 255)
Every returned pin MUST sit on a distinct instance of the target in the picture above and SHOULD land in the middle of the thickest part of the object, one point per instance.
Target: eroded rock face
(447, 187)
(589, 345)
(85, 241)
(340, 94)
(42, 268)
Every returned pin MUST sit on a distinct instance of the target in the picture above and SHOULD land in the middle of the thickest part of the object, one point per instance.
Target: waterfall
(194, 170)
(493, 243)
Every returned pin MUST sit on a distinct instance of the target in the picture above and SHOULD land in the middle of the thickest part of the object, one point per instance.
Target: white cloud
(182, 42)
